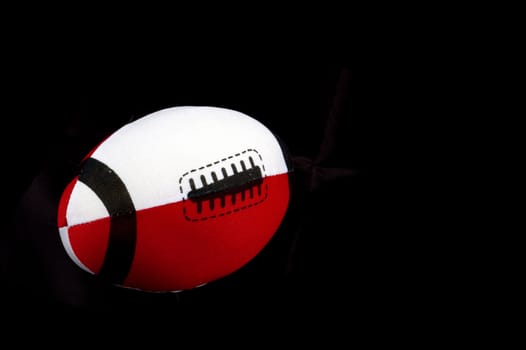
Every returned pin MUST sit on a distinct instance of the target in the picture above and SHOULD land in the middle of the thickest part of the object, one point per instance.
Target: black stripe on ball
(123, 223)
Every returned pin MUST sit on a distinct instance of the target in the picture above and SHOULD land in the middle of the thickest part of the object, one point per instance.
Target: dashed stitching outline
(214, 163)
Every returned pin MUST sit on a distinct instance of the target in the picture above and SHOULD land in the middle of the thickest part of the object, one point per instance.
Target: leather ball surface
(176, 199)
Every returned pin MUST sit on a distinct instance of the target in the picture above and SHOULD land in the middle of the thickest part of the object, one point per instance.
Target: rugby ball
(176, 199)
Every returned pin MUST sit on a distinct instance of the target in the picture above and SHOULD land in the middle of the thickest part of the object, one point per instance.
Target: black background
(341, 252)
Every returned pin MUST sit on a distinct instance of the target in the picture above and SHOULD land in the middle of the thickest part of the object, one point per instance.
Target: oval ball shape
(176, 199)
